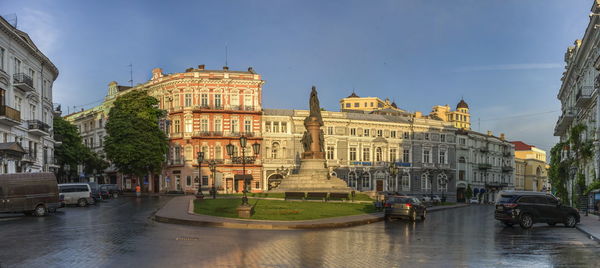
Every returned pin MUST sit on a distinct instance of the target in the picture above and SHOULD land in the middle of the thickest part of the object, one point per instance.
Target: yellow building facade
(367, 104)
(531, 167)
(460, 117)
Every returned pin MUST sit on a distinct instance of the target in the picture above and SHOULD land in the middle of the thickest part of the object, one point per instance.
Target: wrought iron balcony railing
(21, 78)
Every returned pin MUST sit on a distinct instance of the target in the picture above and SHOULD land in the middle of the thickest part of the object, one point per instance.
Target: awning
(12, 149)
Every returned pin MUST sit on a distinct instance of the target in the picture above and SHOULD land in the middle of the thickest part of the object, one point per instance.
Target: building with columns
(26, 112)
(535, 173)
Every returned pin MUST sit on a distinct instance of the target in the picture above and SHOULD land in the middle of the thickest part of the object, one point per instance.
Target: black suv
(527, 208)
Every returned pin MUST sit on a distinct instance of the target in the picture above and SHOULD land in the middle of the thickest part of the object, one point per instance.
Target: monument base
(313, 176)
(244, 211)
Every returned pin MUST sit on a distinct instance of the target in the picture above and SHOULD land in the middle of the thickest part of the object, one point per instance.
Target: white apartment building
(26, 112)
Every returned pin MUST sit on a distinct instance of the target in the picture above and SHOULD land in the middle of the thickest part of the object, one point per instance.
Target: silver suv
(76, 194)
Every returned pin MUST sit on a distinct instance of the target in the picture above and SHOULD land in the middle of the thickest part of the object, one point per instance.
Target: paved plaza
(120, 233)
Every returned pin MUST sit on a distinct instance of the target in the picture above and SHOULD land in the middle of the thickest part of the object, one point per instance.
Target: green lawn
(357, 197)
(281, 210)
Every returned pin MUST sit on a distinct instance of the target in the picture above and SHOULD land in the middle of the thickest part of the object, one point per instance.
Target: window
(283, 127)
(406, 156)
(2, 52)
(276, 127)
(177, 153)
(235, 100)
(442, 181)
(247, 102)
(218, 152)
(378, 154)
(235, 125)
(425, 185)
(426, 156)
(393, 155)
(379, 133)
(218, 101)
(442, 159)
(18, 101)
(393, 134)
(275, 150)
(204, 125)
(366, 180)
(366, 155)
(405, 182)
(100, 140)
(352, 179)
(329, 130)
(176, 126)
(353, 132)
(268, 126)
(356, 104)
(352, 154)
(188, 125)
(372, 104)
(248, 126)
(347, 104)
(188, 100)
(32, 111)
(92, 143)
(426, 136)
(406, 135)
(218, 125)
(176, 101)
(330, 152)
(257, 185)
(461, 175)
(188, 180)
(366, 133)
(443, 137)
(189, 153)
(17, 67)
(474, 176)
(204, 100)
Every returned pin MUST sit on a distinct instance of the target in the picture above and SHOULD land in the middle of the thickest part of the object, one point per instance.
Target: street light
(393, 169)
(213, 168)
(200, 195)
(230, 152)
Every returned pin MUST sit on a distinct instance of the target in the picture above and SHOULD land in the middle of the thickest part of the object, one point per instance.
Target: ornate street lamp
(393, 169)
(200, 195)
(213, 168)
(230, 152)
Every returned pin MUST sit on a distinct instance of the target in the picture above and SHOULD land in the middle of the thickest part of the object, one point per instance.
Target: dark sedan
(406, 207)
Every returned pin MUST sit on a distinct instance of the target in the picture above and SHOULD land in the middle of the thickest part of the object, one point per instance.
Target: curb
(270, 225)
(590, 235)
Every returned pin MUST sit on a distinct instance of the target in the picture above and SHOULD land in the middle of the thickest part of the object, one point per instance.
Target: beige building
(533, 172)
(366, 104)
(459, 117)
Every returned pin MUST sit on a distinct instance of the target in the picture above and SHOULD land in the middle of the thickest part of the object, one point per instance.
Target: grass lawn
(281, 210)
(357, 197)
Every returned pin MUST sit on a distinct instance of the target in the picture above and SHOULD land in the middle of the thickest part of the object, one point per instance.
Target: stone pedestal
(313, 127)
(313, 176)
(244, 211)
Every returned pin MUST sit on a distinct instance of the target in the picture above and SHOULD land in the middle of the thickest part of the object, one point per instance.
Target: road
(119, 233)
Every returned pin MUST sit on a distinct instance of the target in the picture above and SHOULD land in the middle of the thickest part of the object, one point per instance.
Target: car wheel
(571, 221)
(115, 195)
(526, 221)
(82, 202)
(508, 224)
(552, 223)
(424, 215)
(40, 211)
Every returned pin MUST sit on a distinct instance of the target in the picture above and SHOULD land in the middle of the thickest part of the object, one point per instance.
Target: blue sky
(504, 57)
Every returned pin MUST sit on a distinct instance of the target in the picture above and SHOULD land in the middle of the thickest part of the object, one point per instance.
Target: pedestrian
(138, 191)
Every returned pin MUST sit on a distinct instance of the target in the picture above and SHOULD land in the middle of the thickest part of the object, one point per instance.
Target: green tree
(558, 174)
(95, 163)
(135, 144)
(71, 151)
(468, 193)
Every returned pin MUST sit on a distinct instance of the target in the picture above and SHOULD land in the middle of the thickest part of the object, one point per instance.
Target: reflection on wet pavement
(119, 233)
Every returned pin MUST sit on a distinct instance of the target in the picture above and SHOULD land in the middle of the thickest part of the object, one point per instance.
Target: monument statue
(313, 173)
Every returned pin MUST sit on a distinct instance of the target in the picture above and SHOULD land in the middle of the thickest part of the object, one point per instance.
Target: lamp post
(199, 194)
(212, 165)
(393, 169)
(230, 152)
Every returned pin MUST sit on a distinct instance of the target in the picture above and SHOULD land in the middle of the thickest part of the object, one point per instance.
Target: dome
(394, 105)
(353, 95)
(462, 104)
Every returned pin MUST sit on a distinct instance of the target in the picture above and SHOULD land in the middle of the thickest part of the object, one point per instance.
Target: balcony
(240, 160)
(37, 127)
(507, 153)
(584, 96)
(29, 158)
(484, 166)
(564, 121)
(9, 116)
(223, 134)
(507, 169)
(23, 82)
(245, 108)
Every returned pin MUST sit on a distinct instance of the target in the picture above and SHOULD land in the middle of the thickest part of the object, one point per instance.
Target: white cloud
(510, 67)
(41, 27)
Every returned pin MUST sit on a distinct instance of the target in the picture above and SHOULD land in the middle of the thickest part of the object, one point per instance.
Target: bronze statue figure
(306, 141)
(315, 108)
(322, 140)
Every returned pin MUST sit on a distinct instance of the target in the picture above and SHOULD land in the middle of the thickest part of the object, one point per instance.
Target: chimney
(489, 133)
(225, 68)
(502, 137)
(201, 66)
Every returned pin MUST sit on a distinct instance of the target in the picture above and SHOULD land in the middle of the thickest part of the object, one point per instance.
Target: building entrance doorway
(379, 185)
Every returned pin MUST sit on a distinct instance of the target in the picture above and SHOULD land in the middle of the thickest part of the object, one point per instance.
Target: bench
(338, 196)
(316, 195)
(293, 195)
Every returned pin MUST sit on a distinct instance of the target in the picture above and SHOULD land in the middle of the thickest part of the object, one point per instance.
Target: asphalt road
(119, 233)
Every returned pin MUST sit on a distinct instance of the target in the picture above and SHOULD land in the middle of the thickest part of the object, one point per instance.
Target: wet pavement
(119, 233)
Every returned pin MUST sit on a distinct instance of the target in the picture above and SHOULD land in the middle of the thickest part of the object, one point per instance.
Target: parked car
(436, 199)
(76, 194)
(95, 191)
(404, 207)
(30, 193)
(110, 191)
(527, 208)
(474, 200)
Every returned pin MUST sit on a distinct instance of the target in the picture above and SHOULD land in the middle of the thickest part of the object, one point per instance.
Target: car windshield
(402, 200)
(505, 199)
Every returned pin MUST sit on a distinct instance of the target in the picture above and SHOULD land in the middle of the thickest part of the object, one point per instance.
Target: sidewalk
(179, 210)
(590, 226)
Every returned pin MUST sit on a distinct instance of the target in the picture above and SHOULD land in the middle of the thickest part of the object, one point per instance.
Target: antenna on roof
(226, 54)
(130, 74)
(11, 18)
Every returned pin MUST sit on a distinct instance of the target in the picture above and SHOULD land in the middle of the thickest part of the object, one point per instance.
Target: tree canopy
(134, 142)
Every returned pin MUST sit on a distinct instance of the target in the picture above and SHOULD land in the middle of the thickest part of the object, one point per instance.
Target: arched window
(275, 150)
(405, 182)
(442, 181)
(425, 185)
(352, 180)
(366, 180)
(462, 160)
(378, 153)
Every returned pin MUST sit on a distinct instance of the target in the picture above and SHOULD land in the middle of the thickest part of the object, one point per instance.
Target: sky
(505, 58)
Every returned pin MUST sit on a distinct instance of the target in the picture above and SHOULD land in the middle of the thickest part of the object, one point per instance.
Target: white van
(76, 193)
